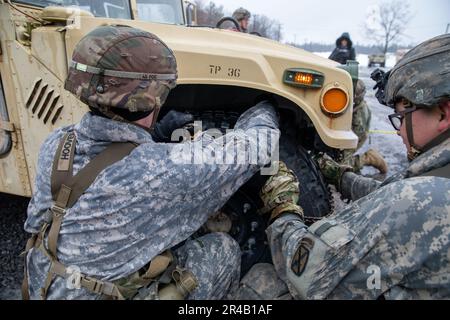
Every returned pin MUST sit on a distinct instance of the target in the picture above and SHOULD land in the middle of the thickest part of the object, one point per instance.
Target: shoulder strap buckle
(57, 211)
(74, 278)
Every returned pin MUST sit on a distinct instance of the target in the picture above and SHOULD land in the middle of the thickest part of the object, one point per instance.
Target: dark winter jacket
(342, 54)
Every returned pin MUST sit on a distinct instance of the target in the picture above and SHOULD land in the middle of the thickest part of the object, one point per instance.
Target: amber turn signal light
(334, 101)
(306, 78)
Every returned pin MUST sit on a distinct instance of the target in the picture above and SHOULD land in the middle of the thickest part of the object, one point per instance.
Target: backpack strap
(66, 190)
(71, 188)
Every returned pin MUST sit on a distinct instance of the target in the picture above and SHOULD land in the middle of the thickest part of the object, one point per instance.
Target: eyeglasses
(397, 118)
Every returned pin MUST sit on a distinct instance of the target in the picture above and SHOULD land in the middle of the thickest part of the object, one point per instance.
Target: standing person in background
(344, 49)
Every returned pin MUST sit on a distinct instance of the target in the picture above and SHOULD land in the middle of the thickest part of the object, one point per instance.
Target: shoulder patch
(301, 256)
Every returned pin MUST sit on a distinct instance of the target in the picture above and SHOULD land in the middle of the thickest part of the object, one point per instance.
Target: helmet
(422, 76)
(241, 14)
(122, 68)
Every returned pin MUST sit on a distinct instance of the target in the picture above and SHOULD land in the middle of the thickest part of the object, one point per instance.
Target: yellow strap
(383, 131)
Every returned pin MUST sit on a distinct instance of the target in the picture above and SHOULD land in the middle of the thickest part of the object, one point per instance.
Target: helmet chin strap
(414, 150)
(113, 116)
(155, 112)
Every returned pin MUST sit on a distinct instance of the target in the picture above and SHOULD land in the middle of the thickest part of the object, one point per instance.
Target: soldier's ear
(444, 121)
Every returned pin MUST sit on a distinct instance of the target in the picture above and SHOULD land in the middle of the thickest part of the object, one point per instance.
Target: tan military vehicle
(221, 73)
(377, 60)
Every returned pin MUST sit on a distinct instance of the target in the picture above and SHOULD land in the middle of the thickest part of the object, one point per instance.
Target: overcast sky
(324, 20)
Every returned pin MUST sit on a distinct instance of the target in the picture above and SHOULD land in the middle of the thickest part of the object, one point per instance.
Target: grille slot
(33, 93)
(50, 110)
(43, 101)
(46, 103)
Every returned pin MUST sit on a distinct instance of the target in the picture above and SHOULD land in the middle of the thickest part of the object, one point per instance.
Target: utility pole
(448, 27)
(279, 32)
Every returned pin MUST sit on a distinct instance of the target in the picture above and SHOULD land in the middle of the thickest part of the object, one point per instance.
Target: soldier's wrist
(287, 208)
(338, 182)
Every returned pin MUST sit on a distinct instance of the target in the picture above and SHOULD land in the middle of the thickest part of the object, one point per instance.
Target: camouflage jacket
(392, 243)
(138, 207)
(354, 186)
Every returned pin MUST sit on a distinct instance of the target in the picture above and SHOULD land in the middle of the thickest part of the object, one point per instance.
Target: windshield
(162, 11)
(117, 9)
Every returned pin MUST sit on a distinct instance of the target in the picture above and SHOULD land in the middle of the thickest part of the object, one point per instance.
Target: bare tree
(266, 27)
(208, 14)
(385, 23)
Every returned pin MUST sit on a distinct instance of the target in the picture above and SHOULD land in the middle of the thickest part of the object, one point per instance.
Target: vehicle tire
(249, 227)
(315, 197)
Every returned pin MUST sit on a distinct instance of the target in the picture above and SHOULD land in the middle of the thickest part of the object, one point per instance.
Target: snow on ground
(382, 137)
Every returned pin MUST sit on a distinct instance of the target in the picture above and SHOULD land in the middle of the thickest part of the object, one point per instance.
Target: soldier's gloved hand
(331, 170)
(280, 194)
(171, 121)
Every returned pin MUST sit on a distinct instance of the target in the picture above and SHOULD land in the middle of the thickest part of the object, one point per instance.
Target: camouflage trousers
(262, 283)
(214, 260)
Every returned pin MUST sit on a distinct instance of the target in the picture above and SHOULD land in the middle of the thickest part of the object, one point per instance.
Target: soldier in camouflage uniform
(149, 201)
(242, 16)
(393, 242)
(360, 126)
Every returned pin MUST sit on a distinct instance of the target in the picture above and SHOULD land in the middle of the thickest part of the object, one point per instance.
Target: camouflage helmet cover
(422, 76)
(241, 14)
(122, 67)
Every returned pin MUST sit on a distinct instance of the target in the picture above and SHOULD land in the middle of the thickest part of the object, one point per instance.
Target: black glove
(170, 122)
(381, 79)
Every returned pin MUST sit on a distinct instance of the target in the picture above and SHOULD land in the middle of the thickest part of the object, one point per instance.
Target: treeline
(364, 49)
(208, 14)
